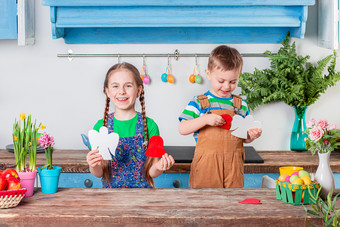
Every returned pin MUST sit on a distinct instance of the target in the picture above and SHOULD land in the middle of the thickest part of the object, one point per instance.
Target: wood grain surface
(154, 207)
(74, 161)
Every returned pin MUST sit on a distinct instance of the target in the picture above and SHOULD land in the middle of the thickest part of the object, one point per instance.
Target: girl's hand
(214, 120)
(93, 158)
(254, 133)
(165, 163)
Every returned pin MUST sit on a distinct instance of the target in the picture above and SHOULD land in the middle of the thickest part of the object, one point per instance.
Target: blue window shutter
(328, 19)
(8, 19)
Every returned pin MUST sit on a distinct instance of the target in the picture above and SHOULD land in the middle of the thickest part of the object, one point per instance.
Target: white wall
(67, 96)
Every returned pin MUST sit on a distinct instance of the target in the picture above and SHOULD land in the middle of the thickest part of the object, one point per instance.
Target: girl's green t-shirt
(128, 128)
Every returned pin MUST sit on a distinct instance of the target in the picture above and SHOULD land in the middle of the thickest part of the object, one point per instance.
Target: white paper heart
(241, 125)
(105, 142)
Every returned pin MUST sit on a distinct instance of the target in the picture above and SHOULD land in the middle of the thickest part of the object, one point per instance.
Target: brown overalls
(219, 156)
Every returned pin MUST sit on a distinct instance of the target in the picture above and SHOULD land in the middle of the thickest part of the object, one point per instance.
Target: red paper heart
(156, 147)
(250, 201)
(228, 120)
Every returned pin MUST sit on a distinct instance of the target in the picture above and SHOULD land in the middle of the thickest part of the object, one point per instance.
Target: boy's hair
(225, 58)
(148, 163)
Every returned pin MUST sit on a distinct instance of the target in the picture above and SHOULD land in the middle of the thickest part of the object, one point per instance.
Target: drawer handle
(176, 183)
(88, 183)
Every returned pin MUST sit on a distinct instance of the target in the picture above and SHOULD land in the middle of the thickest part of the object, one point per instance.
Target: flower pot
(324, 175)
(27, 181)
(297, 138)
(49, 179)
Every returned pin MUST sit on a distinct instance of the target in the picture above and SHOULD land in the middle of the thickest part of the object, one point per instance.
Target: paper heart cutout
(227, 119)
(156, 147)
(250, 201)
(105, 142)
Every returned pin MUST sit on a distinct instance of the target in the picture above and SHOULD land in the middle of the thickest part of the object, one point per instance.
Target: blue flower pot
(49, 179)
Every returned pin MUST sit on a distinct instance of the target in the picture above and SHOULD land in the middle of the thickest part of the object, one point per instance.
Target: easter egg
(295, 173)
(303, 173)
(282, 177)
(298, 181)
(170, 78)
(164, 77)
(306, 179)
(198, 79)
(287, 179)
(146, 79)
(141, 76)
(292, 178)
(192, 78)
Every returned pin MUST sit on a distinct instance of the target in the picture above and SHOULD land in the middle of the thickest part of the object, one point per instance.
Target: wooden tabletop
(155, 207)
(74, 161)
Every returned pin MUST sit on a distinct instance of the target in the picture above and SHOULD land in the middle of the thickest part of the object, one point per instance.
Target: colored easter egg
(283, 177)
(293, 177)
(164, 77)
(287, 179)
(198, 79)
(170, 78)
(192, 78)
(141, 76)
(146, 79)
(295, 173)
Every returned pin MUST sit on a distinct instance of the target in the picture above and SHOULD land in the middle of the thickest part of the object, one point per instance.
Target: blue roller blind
(8, 19)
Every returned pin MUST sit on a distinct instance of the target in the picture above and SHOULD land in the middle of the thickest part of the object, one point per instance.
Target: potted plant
(290, 79)
(25, 134)
(49, 174)
(323, 139)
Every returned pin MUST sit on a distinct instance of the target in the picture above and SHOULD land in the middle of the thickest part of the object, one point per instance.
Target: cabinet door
(328, 23)
(8, 19)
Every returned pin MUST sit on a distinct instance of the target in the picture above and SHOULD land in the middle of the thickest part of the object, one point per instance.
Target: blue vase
(49, 179)
(297, 139)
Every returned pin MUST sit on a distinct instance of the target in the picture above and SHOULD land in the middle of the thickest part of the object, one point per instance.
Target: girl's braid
(145, 127)
(106, 111)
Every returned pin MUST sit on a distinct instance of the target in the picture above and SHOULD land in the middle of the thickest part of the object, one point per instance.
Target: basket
(296, 194)
(11, 198)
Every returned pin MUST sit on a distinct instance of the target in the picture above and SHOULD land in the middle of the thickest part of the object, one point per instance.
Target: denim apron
(127, 165)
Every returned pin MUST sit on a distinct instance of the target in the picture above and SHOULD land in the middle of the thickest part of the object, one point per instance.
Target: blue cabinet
(177, 21)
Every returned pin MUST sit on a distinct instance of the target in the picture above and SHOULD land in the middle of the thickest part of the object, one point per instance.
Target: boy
(219, 156)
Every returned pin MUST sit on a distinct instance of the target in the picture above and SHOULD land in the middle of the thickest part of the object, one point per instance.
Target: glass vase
(297, 139)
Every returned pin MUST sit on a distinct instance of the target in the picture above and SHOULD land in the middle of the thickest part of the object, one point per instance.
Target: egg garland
(167, 76)
(145, 77)
(195, 77)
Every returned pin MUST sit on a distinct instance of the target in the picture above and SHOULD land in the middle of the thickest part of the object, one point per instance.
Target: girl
(129, 168)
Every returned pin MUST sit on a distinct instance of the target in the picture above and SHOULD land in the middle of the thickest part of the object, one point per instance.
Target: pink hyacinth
(311, 123)
(322, 123)
(46, 140)
(316, 133)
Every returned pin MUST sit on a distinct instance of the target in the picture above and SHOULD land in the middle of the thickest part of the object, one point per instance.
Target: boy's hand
(254, 133)
(165, 163)
(214, 120)
(93, 158)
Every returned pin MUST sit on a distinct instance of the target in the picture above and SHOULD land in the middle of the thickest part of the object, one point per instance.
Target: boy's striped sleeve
(191, 111)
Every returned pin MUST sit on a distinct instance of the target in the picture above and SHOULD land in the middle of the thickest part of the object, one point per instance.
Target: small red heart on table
(227, 119)
(156, 147)
(250, 201)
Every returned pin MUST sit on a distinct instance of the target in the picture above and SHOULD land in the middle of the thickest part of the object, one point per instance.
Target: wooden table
(74, 161)
(155, 207)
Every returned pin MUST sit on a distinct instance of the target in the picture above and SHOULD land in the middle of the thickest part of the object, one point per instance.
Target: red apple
(13, 183)
(11, 172)
(3, 183)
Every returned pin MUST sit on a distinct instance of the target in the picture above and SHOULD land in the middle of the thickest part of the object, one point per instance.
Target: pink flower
(316, 133)
(326, 141)
(311, 123)
(45, 140)
(333, 127)
(322, 123)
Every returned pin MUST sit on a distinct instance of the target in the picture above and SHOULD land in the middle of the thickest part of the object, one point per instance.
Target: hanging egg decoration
(198, 79)
(164, 77)
(192, 78)
(170, 78)
(146, 79)
(141, 76)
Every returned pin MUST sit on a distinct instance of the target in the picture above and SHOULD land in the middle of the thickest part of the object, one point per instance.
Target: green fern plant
(290, 78)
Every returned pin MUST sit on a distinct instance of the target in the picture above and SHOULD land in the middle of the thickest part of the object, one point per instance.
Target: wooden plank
(160, 207)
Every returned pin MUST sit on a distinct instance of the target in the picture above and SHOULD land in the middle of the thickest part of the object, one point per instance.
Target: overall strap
(203, 100)
(237, 103)
(139, 125)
